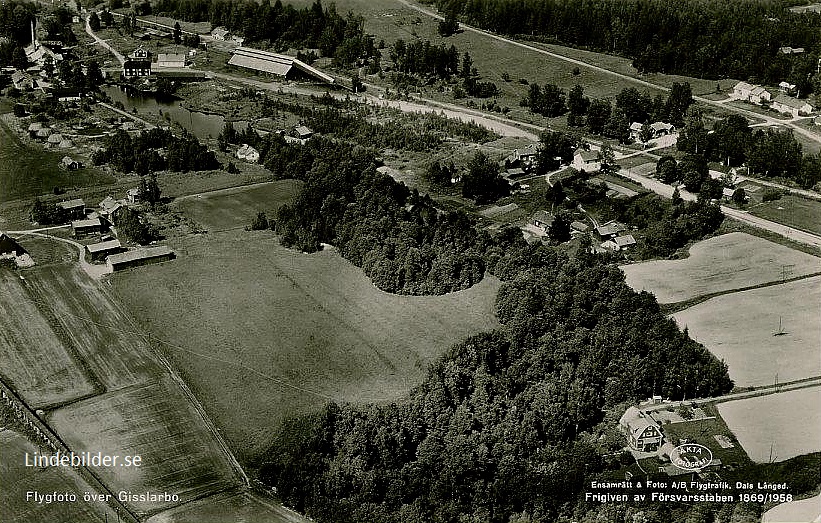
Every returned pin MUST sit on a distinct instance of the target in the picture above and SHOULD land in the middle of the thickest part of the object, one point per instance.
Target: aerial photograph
(410, 261)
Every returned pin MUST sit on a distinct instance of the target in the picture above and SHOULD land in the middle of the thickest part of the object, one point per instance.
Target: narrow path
(120, 58)
(137, 119)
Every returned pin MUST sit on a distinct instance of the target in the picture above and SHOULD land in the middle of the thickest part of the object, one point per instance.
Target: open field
(28, 170)
(722, 263)
(35, 360)
(788, 423)
(231, 208)
(230, 507)
(157, 422)
(100, 334)
(792, 210)
(16, 479)
(249, 323)
(739, 328)
(801, 510)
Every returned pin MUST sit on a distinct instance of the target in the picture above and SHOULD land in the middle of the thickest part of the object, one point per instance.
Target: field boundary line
(672, 308)
(185, 390)
(53, 439)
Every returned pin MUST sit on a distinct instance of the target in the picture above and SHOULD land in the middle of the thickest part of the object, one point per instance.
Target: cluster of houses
(90, 222)
(783, 102)
(543, 220)
(614, 236)
(656, 130)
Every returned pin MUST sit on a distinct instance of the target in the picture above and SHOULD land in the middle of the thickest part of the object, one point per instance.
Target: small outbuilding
(83, 228)
(98, 251)
(137, 257)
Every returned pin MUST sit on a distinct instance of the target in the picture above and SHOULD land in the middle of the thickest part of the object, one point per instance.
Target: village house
(759, 95)
(83, 228)
(248, 153)
(623, 242)
(542, 220)
(643, 433)
(610, 230)
(99, 251)
(11, 250)
(662, 129)
(786, 87)
(171, 60)
(69, 163)
(793, 106)
(276, 64)
(635, 131)
(524, 158)
(75, 209)
(221, 34)
(110, 208)
(137, 64)
(790, 50)
(133, 195)
(302, 132)
(22, 81)
(579, 226)
(587, 161)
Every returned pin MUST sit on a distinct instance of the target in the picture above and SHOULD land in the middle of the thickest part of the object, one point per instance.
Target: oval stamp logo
(691, 456)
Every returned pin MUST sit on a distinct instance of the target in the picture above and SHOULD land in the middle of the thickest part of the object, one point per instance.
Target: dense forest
(706, 39)
(15, 31)
(401, 241)
(280, 26)
(140, 153)
(506, 425)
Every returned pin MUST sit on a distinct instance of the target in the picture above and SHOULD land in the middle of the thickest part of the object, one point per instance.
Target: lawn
(236, 207)
(230, 507)
(792, 210)
(156, 421)
(37, 363)
(702, 431)
(28, 169)
(722, 263)
(776, 427)
(260, 332)
(739, 328)
(16, 480)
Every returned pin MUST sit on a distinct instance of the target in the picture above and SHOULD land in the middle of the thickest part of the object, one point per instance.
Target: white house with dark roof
(793, 106)
(643, 433)
(586, 161)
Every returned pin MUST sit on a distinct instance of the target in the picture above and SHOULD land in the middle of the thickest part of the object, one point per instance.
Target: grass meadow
(741, 329)
(776, 427)
(792, 210)
(260, 332)
(722, 263)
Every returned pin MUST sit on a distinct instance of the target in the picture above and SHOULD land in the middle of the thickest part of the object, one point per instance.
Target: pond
(201, 125)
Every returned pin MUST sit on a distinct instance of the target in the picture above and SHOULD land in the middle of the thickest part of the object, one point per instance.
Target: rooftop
(140, 254)
(104, 246)
(72, 204)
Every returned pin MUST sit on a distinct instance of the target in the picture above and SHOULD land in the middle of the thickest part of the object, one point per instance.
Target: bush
(771, 195)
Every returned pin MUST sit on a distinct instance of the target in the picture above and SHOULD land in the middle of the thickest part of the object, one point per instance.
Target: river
(201, 125)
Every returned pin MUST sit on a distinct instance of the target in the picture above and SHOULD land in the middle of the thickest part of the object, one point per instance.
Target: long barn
(277, 64)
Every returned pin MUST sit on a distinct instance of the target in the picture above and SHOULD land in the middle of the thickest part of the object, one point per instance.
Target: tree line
(507, 425)
(280, 26)
(141, 154)
(732, 38)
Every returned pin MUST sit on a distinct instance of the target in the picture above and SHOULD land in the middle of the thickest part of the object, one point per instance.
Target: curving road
(769, 119)
(103, 43)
